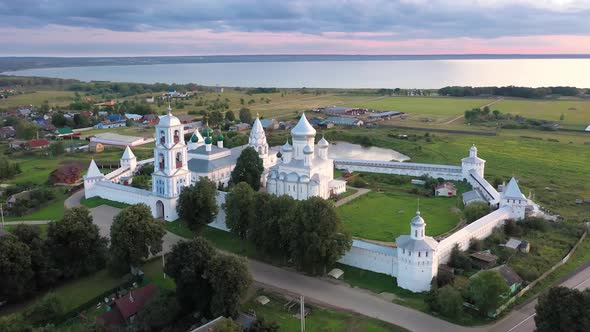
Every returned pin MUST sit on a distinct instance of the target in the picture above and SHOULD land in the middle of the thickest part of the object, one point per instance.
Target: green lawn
(97, 201)
(53, 211)
(61, 98)
(441, 109)
(576, 113)
(154, 273)
(319, 319)
(385, 216)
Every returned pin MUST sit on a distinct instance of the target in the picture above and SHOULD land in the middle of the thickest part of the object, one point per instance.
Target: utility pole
(302, 309)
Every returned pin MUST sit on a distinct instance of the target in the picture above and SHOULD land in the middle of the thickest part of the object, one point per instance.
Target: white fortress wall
(446, 172)
(120, 193)
(479, 229)
(372, 257)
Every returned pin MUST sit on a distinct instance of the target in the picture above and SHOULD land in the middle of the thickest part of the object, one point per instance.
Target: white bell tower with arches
(171, 173)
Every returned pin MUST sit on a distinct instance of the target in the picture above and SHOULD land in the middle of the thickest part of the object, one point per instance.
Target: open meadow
(36, 98)
(576, 113)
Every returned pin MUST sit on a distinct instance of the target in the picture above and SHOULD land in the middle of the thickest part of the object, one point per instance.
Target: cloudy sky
(194, 27)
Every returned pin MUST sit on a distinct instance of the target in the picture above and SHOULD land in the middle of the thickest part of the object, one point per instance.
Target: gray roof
(509, 275)
(406, 242)
(512, 191)
(485, 185)
(207, 166)
(373, 247)
(472, 196)
(342, 120)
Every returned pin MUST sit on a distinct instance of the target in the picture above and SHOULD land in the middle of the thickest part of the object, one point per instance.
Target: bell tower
(171, 172)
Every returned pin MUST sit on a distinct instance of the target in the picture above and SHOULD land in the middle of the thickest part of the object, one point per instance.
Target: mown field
(385, 216)
(576, 113)
(55, 98)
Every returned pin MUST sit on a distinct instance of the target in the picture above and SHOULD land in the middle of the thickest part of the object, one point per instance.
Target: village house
(240, 127)
(484, 259)
(124, 309)
(445, 190)
(110, 124)
(7, 132)
(38, 144)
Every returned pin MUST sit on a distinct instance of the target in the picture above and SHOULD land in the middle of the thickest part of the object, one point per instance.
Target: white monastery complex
(305, 170)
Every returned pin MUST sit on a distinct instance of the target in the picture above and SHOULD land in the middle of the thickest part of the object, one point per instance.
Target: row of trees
(508, 91)
(308, 234)
(29, 263)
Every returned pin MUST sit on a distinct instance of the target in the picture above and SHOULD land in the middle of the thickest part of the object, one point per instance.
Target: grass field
(385, 216)
(576, 113)
(55, 98)
(97, 201)
(551, 170)
(319, 319)
(53, 211)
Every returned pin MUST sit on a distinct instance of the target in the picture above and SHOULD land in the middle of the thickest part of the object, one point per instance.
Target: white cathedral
(301, 173)
(305, 170)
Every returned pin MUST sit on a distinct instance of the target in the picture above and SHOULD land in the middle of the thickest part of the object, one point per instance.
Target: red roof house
(128, 306)
(445, 189)
(38, 143)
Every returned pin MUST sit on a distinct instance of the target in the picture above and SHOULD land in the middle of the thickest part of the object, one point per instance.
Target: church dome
(168, 120)
(194, 138)
(307, 150)
(208, 140)
(417, 220)
(303, 128)
(287, 147)
(323, 143)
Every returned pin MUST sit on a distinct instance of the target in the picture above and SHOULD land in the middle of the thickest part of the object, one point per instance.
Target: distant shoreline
(8, 64)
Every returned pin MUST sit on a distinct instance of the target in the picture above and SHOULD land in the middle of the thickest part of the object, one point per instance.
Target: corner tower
(473, 162)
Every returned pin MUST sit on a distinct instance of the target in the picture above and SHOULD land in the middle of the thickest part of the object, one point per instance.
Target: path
(359, 192)
(497, 100)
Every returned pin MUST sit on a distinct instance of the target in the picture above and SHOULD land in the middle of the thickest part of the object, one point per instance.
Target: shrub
(460, 259)
(47, 309)
(476, 244)
(511, 228)
(444, 277)
(450, 301)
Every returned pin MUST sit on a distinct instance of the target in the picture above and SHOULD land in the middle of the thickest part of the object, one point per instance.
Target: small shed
(445, 190)
(512, 279)
(472, 197)
(484, 259)
(95, 147)
(262, 299)
(524, 247)
(336, 273)
(513, 243)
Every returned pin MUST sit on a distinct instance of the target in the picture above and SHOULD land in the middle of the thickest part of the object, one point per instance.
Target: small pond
(345, 150)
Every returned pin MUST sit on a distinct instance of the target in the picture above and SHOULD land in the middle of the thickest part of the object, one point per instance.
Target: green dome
(206, 131)
(194, 138)
(220, 137)
(208, 140)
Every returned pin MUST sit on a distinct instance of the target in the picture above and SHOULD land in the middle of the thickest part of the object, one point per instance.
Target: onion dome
(323, 143)
(194, 138)
(417, 220)
(307, 150)
(220, 137)
(287, 147)
(208, 140)
(206, 131)
(303, 128)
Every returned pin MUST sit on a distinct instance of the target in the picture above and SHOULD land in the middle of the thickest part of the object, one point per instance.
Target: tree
(48, 308)
(476, 210)
(44, 271)
(444, 277)
(187, 265)
(563, 309)
(230, 116)
(197, 205)
(274, 216)
(317, 238)
(25, 130)
(486, 290)
(240, 210)
(245, 114)
(248, 168)
(262, 325)
(228, 325)
(459, 259)
(159, 313)
(230, 280)
(135, 234)
(59, 120)
(16, 272)
(75, 243)
(215, 118)
(57, 149)
(449, 301)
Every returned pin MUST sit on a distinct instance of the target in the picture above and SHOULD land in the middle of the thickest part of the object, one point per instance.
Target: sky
(233, 27)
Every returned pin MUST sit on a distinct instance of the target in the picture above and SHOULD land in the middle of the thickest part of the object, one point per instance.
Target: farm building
(110, 124)
(342, 121)
(343, 111)
(445, 190)
(120, 140)
(384, 115)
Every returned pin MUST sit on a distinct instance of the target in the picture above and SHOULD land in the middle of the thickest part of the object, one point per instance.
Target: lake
(423, 74)
(344, 150)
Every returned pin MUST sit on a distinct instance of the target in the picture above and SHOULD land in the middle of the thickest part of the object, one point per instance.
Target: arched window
(162, 137)
(176, 136)
(161, 161)
(415, 233)
(178, 159)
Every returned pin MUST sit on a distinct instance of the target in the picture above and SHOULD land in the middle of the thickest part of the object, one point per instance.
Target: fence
(542, 277)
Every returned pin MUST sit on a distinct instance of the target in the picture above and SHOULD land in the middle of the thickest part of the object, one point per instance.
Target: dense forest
(509, 91)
